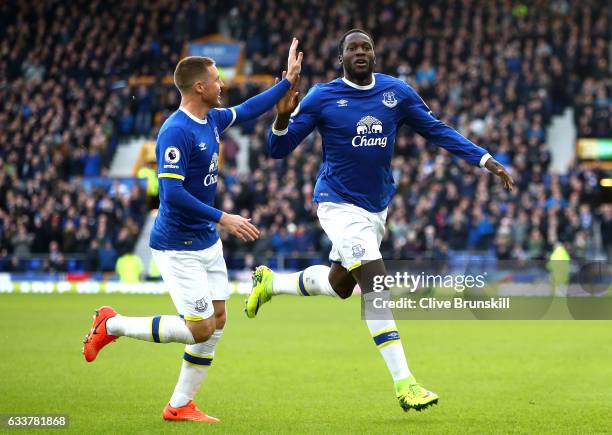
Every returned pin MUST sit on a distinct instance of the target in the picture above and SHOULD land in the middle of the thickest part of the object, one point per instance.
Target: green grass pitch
(307, 365)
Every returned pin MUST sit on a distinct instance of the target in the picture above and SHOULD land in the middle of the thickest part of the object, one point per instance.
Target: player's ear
(340, 59)
(198, 87)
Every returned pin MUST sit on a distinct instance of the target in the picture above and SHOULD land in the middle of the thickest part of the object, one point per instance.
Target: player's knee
(344, 292)
(202, 330)
(341, 282)
(343, 289)
(220, 318)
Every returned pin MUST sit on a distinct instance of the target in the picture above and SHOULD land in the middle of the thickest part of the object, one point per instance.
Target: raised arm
(293, 122)
(422, 120)
(261, 103)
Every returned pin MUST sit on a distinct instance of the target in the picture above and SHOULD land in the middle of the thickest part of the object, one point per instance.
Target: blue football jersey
(187, 149)
(358, 126)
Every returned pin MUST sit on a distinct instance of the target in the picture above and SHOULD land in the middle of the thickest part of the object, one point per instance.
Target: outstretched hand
(287, 104)
(294, 62)
(498, 169)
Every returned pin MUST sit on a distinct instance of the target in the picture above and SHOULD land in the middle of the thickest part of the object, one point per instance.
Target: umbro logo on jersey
(217, 135)
(389, 99)
(342, 103)
(202, 146)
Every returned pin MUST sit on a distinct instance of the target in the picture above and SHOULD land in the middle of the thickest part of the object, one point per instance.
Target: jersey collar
(361, 88)
(192, 116)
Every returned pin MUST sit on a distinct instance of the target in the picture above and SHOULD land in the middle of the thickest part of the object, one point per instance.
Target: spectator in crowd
(129, 267)
(22, 242)
(107, 257)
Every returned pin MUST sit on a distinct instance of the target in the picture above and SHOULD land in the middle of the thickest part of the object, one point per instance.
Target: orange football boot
(189, 412)
(98, 337)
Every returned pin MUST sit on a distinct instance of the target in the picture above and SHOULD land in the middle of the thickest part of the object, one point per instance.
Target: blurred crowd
(496, 71)
(64, 105)
(74, 227)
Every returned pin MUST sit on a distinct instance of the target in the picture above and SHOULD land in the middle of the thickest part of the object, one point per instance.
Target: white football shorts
(194, 279)
(355, 233)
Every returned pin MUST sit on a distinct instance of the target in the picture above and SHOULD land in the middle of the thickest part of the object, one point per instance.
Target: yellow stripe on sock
(195, 365)
(384, 331)
(387, 343)
(199, 356)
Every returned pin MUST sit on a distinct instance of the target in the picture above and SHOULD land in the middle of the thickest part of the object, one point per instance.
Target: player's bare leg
(386, 337)
(341, 280)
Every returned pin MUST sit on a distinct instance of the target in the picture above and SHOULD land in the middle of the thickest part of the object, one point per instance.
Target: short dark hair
(350, 32)
(189, 70)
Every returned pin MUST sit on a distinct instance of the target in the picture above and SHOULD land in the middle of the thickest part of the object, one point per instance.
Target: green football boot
(412, 395)
(262, 290)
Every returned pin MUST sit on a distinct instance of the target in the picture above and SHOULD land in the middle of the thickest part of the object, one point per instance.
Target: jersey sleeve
(172, 153)
(173, 193)
(261, 103)
(224, 118)
(251, 108)
(173, 145)
(417, 115)
(302, 122)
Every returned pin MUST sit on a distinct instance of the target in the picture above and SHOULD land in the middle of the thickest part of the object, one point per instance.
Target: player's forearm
(174, 194)
(448, 138)
(282, 143)
(261, 103)
(458, 145)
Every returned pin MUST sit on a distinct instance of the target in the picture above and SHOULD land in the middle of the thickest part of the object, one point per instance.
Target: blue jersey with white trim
(358, 125)
(187, 149)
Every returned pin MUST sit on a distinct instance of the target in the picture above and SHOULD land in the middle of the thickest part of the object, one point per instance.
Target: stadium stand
(496, 71)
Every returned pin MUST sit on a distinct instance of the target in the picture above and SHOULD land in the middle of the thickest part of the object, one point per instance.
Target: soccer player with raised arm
(184, 239)
(358, 116)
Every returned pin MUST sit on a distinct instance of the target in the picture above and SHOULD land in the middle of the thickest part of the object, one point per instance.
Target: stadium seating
(496, 73)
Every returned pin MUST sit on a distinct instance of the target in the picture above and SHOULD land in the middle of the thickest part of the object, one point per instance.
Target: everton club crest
(389, 100)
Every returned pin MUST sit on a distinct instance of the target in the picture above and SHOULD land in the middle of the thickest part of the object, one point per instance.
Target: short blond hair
(189, 70)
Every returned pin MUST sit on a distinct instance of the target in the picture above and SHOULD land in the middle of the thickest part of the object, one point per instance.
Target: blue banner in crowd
(109, 184)
(225, 54)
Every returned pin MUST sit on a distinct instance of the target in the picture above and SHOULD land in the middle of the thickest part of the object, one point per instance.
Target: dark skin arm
(286, 106)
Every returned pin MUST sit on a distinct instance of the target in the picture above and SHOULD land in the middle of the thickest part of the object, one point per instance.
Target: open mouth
(361, 62)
